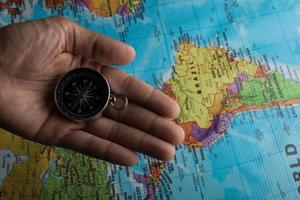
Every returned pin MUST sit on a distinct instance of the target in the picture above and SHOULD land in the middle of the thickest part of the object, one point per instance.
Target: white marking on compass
(82, 95)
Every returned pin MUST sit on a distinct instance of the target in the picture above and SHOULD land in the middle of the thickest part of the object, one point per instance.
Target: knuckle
(88, 144)
(153, 124)
(150, 96)
(106, 152)
(128, 81)
(114, 132)
(60, 19)
(139, 146)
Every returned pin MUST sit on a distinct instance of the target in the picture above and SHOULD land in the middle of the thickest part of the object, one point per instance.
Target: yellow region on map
(106, 8)
(24, 181)
(199, 78)
(103, 8)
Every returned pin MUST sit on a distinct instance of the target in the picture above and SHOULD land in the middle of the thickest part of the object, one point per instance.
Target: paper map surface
(234, 68)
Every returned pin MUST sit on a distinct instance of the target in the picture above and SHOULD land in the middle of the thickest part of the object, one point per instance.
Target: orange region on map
(24, 180)
(54, 3)
(211, 86)
(101, 8)
(156, 168)
(189, 139)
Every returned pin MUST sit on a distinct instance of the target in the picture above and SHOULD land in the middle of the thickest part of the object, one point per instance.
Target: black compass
(82, 94)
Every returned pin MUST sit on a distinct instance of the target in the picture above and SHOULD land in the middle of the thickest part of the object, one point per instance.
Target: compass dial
(82, 94)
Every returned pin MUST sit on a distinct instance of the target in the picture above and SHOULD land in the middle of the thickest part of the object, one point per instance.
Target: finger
(141, 93)
(59, 131)
(89, 44)
(149, 122)
(131, 138)
(88, 144)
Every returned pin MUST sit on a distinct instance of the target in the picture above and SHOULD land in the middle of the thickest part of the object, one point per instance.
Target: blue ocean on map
(249, 158)
(254, 27)
(250, 161)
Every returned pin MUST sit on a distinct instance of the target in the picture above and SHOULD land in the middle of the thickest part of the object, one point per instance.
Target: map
(234, 68)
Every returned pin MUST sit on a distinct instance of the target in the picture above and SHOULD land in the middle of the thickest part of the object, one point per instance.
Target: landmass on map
(75, 176)
(23, 162)
(49, 173)
(211, 86)
(101, 8)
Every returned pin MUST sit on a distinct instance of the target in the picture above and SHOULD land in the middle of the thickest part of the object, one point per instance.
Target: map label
(291, 150)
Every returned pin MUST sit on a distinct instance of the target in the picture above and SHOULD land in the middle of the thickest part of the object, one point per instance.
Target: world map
(233, 66)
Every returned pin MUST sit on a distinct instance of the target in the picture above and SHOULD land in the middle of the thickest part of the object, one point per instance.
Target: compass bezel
(65, 79)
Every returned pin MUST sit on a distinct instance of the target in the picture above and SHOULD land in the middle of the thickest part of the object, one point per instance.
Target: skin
(34, 55)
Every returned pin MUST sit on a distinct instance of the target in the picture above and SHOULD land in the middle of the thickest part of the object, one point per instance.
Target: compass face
(82, 94)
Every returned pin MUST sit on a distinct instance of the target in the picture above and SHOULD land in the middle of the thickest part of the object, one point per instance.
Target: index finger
(141, 93)
(92, 45)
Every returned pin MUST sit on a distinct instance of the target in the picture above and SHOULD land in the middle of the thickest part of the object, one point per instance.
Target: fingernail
(130, 48)
(182, 135)
(178, 111)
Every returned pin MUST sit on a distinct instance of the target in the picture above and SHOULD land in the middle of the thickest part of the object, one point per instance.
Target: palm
(29, 79)
(34, 55)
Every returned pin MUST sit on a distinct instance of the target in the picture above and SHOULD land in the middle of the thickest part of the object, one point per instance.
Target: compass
(82, 94)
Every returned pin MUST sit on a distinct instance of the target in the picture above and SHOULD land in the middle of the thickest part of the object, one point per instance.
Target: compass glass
(82, 94)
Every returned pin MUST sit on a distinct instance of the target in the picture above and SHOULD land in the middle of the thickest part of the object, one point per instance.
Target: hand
(33, 55)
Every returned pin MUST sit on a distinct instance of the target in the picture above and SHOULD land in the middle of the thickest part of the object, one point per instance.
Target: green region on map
(233, 66)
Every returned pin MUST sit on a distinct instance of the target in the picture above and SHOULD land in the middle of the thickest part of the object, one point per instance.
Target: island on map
(211, 86)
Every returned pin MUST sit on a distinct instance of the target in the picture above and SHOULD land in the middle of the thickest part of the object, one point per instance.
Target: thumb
(89, 44)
